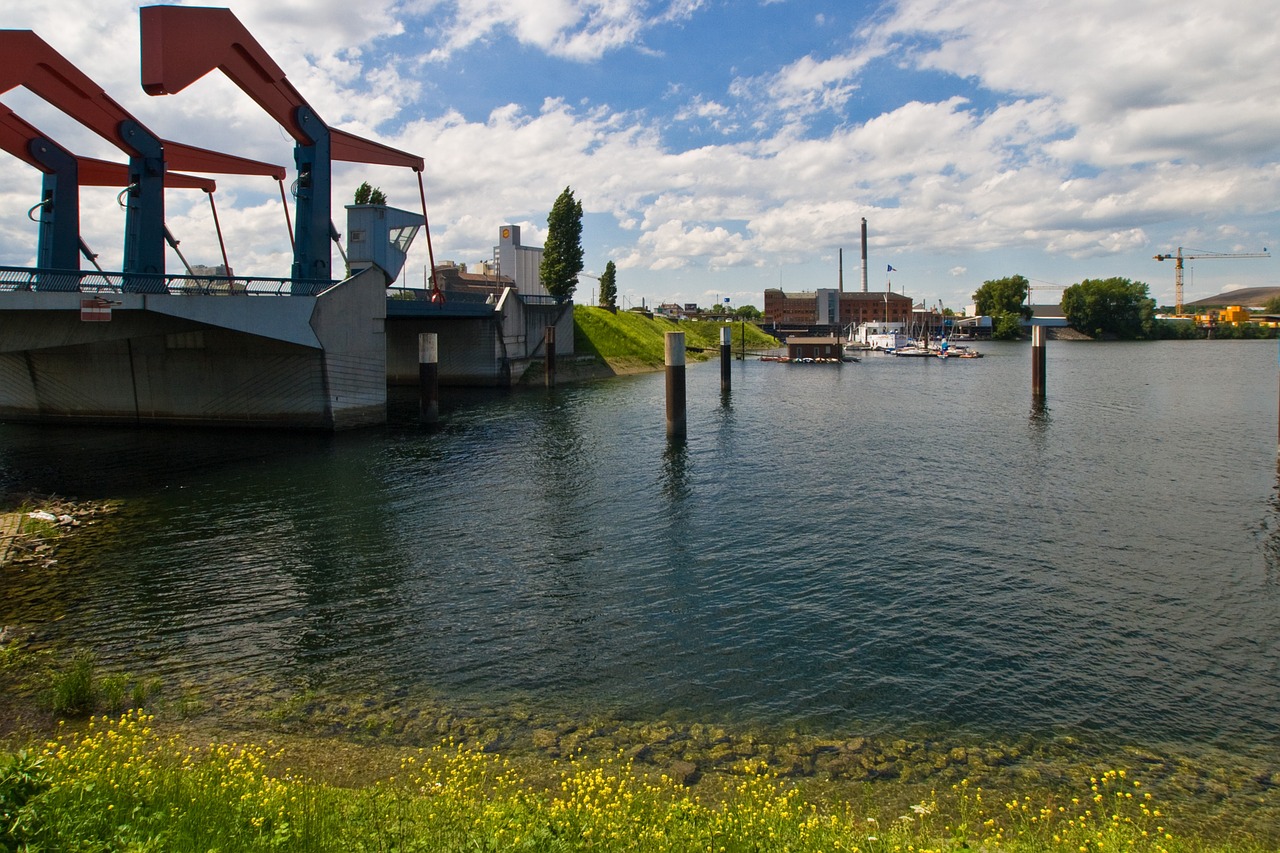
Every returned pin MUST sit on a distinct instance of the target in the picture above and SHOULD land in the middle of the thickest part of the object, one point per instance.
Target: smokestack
(842, 270)
(864, 254)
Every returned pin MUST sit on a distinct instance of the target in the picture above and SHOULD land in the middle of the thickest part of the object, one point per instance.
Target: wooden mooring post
(677, 419)
(549, 344)
(1038, 372)
(428, 377)
(726, 358)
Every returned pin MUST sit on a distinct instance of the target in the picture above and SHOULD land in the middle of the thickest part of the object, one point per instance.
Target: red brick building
(831, 308)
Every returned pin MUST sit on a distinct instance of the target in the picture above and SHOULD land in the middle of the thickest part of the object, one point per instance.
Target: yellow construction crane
(1177, 278)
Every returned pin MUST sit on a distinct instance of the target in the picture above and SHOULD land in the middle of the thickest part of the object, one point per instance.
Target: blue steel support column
(58, 247)
(312, 254)
(144, 211)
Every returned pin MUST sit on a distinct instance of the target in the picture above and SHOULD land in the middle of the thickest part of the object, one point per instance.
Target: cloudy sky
(720, 147)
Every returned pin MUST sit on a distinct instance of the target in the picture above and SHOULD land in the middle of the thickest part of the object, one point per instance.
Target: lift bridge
(217, 348)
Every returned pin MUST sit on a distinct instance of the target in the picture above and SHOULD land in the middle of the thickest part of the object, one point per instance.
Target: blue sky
(722, 147)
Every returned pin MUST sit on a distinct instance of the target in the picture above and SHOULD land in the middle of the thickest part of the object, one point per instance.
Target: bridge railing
(93, 281)
(417, 302)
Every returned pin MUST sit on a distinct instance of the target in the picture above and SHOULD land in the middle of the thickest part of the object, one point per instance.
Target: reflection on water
(1270, 528)
(1039, 413)
(675, 471)
(879, 543)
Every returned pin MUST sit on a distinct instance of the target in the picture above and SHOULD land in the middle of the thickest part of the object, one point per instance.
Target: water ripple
(877, 542)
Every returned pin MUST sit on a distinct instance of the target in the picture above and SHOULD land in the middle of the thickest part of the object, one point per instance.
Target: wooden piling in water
(428, 378)
(677, 420)
(549, 344)
(1039, 374)
(726, 356)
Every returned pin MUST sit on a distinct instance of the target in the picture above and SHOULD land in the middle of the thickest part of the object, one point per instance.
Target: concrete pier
(726, 358)
(428, 378)
(1039, 334)
(549, 346)
(674, 356)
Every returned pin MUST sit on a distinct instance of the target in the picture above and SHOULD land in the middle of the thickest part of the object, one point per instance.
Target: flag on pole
(891, 269)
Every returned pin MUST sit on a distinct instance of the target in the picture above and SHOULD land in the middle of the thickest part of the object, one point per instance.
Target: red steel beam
(28, 60)
(16, 135)
(181, 44)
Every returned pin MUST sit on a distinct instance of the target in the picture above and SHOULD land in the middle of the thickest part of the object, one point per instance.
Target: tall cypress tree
(609, 286)
(562, 254)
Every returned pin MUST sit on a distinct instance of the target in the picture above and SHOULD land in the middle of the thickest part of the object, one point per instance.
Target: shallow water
(883, 544)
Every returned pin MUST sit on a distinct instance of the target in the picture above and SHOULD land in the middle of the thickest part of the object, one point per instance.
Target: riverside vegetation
(327, 773)
(118, 784)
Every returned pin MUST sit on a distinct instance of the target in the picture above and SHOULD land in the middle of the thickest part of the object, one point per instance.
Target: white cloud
(581, 30)
(672, 245)
(1069, 130)
(1145, 81)
(806, 86)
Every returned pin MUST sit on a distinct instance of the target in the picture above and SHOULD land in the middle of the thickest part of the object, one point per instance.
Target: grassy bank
(120, 784)
(250, 770)
(630, 341)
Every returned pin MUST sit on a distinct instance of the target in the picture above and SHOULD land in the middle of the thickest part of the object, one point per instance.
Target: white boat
(885, 337)
(946, 349)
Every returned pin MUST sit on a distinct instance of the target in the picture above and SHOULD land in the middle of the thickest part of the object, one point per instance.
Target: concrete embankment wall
(225, 360)
(469, 351)
(488, 351)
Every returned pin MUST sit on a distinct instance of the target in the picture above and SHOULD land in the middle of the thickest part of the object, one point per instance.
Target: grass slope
(632, 340)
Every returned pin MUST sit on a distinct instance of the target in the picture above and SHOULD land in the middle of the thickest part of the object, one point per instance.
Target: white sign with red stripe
(95, 311)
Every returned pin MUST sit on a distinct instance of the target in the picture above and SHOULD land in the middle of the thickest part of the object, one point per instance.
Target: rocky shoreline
(32, 526)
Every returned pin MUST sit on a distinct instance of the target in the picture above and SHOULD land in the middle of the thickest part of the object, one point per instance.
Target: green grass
(69, 683)
(632, 338)
(73, 687)
(120, 785)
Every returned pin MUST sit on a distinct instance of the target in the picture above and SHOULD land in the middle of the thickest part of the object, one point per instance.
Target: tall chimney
(864, 254)
(842, 270)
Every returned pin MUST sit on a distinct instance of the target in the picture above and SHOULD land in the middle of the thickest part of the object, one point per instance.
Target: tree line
(1101, 308)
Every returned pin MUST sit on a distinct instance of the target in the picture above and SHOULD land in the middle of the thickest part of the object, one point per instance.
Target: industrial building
(831, 311)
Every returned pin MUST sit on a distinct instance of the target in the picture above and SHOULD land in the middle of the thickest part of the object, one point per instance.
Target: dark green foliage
(1004, 296)
(562, 253)
(609, 286)
(78, 688)
(1171, 330)
(73, 690)
(1004, 300)
(22, 777)
(1243, 331)
(366, 194)
(1112, 307)
(1006, 326)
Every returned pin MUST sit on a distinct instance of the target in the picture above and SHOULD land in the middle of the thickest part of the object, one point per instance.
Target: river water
(883, 544)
